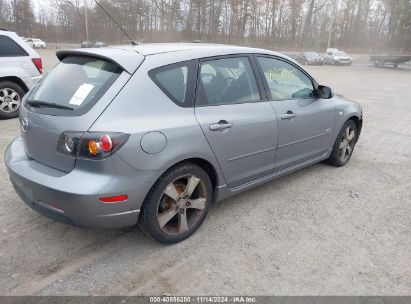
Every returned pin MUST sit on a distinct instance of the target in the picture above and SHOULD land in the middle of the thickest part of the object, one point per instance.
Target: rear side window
(9, 48)
(76, 83)
(176, 81)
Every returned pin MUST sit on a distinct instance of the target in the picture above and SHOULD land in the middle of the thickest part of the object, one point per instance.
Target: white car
(29, 41)
(20, 70)
(36, 43)
(337, 58)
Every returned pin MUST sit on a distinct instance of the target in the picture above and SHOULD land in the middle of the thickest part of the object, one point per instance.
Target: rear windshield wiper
(38, 103)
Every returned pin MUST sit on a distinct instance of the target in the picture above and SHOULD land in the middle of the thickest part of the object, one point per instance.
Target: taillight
(104, 144)
(39, 64)
(92, 145)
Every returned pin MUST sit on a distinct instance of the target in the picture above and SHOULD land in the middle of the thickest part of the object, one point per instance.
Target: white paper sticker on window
(81, 94)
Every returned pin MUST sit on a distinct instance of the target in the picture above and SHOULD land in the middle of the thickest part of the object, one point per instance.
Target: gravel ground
(319, 231)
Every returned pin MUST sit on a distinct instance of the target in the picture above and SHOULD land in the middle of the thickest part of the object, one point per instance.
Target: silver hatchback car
(154, 134)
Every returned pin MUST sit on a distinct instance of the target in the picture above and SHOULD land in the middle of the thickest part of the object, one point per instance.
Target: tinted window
(176, 81)
(225, 81)
(9, 48)
(284, 80)
(76, 82)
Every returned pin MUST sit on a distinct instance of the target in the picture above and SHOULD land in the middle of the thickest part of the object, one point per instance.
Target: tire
(11, 95)
(338, 158)
(162, 217)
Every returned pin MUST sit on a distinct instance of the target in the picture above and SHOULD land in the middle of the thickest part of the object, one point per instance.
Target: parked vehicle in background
(29, 41)
(310, 58)
(292, 55)
(20, 70)
(337, 58)
(86, 44)
(89, 44)
(330, 50)
(100, 44)
(161, 131)
(38, 43)
(384, 59)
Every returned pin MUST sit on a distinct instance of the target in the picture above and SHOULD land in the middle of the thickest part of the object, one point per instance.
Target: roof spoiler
(127, 60)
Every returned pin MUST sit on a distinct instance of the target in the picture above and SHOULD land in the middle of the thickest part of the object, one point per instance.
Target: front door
(239, 125)
(305, 122)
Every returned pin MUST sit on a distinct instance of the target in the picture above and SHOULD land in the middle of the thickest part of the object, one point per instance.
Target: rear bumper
(73, 198)
(316, 62)
(343, 62)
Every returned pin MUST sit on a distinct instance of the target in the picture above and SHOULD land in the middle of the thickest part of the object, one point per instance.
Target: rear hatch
(70, 98)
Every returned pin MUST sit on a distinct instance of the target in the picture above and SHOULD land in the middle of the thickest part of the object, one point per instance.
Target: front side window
(284, 80)
(75, 83)
(9, 48)
(227, 81)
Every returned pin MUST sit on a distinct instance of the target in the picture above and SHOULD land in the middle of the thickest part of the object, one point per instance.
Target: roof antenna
(119, 26)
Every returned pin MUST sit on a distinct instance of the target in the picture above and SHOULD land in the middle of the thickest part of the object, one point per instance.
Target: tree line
(366, 25)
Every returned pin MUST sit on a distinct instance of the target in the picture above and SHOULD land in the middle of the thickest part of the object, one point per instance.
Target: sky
(38, 3)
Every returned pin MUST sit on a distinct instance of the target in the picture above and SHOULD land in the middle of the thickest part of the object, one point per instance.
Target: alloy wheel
(347, 143)
(9, 100)
(181, 205)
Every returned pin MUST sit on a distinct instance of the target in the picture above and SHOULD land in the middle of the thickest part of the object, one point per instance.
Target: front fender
(346, 109)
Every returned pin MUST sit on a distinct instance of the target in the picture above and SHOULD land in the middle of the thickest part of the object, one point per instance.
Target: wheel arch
(203, 164)
(358, 123)
(16, 80)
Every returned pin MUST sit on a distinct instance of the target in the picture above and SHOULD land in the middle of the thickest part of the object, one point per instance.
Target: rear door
(305, 122)
(237, 121)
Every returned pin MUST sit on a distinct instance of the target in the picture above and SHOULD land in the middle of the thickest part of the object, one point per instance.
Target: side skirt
(224, 192)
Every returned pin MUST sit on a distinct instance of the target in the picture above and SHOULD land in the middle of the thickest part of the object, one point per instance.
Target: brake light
(93, 145)
(106, 143)
(39, 64)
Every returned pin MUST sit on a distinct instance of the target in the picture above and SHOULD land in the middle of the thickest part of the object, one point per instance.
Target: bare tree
(372, 25)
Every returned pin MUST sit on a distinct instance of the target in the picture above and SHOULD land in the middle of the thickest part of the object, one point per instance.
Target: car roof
(214, 49)
(123, 54)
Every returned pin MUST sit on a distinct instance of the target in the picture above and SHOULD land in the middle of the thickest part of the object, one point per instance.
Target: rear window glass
(77, 83)
(176, 81)
(9, 48)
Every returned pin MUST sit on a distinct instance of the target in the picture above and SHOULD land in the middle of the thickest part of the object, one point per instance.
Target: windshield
(77, 82)
(340, 54)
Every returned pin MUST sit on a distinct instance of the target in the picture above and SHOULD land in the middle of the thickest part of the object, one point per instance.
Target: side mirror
(324, 92)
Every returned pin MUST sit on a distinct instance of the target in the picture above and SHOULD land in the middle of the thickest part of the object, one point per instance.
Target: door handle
(221, 125)
(288, 115)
